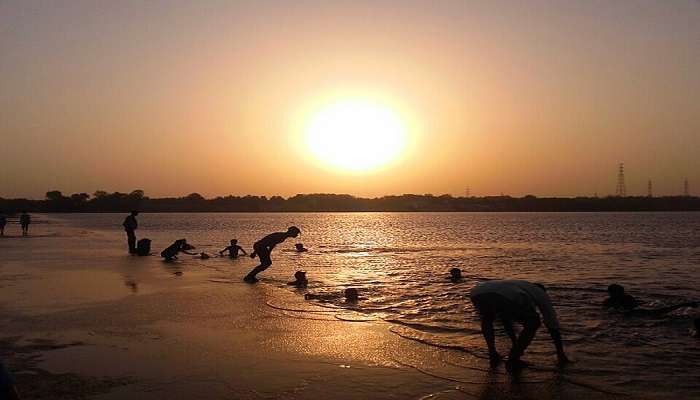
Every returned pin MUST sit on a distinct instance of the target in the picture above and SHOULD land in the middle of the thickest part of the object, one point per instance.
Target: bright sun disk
(356, 135)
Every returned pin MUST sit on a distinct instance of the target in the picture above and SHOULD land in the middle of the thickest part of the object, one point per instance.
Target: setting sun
(356, 135)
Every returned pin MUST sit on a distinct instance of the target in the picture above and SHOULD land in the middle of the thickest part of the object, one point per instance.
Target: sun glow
(356, 135)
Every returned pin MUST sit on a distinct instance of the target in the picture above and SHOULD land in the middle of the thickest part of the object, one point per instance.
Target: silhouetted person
(300, 248)
(130, 225)
(622, 301)
(179, 246)
(7, 384)
(300, 280)
(695, 331)
(3, 222)
(24, 220)
(143, 247)
(233, 249)
(456, 275)
(263, 247)
(515, 300)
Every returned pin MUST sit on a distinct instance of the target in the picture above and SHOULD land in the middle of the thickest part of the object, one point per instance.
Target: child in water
(619, 300)
(179, 246)
(300, 280)
(233, 249)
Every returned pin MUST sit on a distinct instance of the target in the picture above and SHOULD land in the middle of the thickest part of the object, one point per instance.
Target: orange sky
(211, 97)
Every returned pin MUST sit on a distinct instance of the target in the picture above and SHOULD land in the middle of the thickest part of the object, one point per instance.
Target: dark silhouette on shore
(3, 223)
(233, 249)
(179, 246)
(143, 247)
(515, 301)
(622, 301)
(263, 247)
(102, 201)
(24, 220)
(130, 225)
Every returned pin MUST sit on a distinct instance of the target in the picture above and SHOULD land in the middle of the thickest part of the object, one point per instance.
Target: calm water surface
(400, 263)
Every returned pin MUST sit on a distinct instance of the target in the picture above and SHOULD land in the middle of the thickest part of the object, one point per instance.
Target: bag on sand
(143, 247)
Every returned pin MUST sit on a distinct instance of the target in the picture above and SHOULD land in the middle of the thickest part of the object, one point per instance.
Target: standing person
(130, 225)
(263, 247)
(24, 220)
(515, 300)
(3, 222)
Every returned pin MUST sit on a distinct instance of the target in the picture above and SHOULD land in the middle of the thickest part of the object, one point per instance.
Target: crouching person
(515, 301)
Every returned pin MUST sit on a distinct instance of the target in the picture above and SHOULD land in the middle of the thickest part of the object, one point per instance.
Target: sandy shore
(81, 319)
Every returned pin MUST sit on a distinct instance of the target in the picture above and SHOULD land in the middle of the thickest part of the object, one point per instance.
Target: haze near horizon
(366, 98)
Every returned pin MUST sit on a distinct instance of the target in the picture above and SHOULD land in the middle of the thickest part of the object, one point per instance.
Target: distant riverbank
(100, 201)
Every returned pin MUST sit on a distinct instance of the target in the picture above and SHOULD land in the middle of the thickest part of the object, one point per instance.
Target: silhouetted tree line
(102, 201)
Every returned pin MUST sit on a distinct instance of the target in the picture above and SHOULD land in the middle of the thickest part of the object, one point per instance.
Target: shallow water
(399, 262)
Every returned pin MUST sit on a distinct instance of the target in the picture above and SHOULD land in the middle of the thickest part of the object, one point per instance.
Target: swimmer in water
(179, 246)
(456, 275)
(626, 303)
(263, 248)
(515, 300)
(233, 249)
(300, 280)
(300, 248)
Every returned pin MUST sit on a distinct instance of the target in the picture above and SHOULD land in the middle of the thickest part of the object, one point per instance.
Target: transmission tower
(467, 192)
(621, 189)
(686, 188)
(649, 191)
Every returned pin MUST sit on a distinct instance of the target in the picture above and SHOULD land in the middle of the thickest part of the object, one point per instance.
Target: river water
(400, 263)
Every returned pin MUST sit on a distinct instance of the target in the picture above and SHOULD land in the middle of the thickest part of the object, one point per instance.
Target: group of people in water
(510, 301)
(24, 220)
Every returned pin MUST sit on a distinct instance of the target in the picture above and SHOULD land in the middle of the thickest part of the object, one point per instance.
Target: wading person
(130, 225)
(3, 222)
(233, 249)
(25, 219)
(263, 247)
(515, 301)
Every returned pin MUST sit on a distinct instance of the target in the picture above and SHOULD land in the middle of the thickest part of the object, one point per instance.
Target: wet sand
(82, 319)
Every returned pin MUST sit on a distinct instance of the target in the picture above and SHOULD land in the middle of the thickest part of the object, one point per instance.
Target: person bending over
(263, 247)
(233, 249)
(515, 301)
(179, 246)
(622, 301)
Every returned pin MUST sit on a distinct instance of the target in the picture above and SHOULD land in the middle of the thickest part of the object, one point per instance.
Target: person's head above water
(455, 274)
(616, 290)
(351, 294)
(299, 246)
(300, 276)
(293, 231)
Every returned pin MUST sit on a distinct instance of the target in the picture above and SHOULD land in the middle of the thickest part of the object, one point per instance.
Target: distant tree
(54, 195)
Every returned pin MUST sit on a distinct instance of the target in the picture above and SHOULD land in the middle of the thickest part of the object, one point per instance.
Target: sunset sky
(225, 97)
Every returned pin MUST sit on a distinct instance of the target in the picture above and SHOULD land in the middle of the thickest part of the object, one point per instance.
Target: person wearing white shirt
(515, 300)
